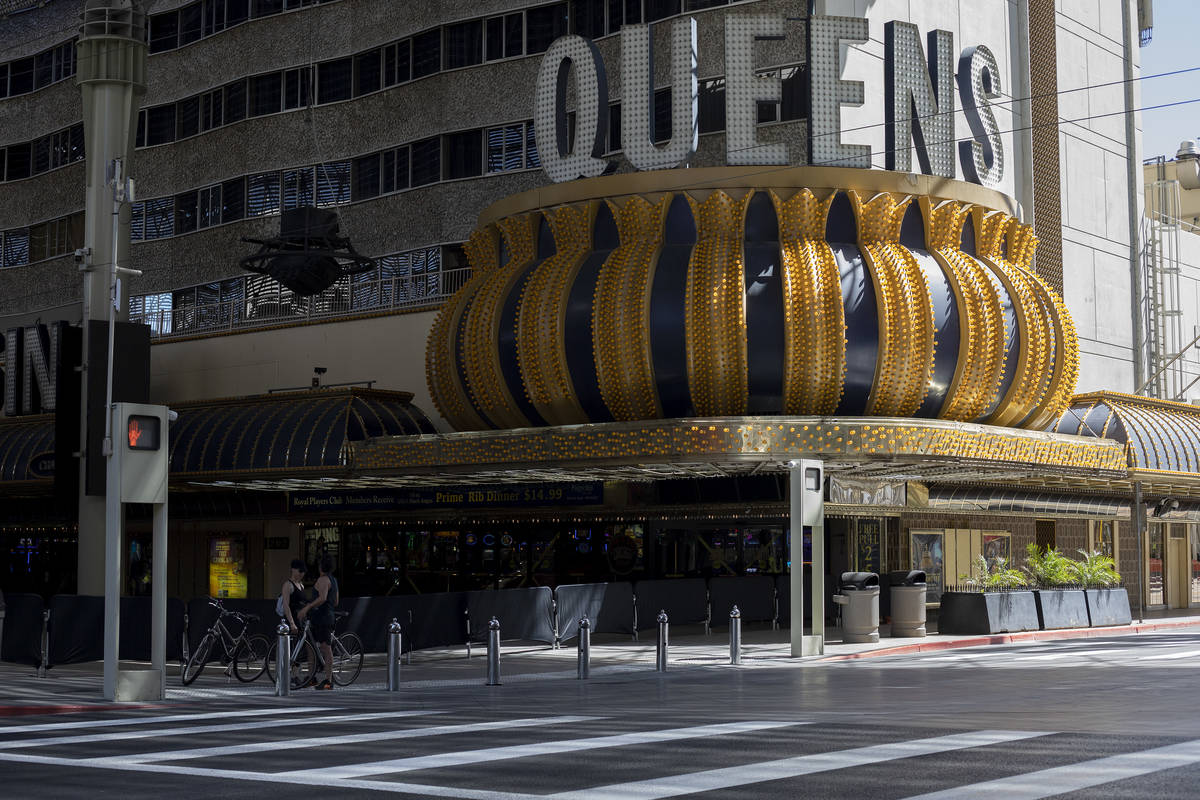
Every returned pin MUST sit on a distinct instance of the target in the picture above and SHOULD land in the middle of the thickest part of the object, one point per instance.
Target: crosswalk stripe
(110, 723)
(91, 738)
(420, 789)
(350, 738)
(1075, 777)
(729, 777)
(460, 758)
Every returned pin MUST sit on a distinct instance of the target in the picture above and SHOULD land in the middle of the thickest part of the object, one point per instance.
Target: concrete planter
(1108, 607)
(987, 612)
(1061, 608)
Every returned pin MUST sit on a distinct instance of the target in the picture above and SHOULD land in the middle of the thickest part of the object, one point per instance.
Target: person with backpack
(326, 589)
(291, 596)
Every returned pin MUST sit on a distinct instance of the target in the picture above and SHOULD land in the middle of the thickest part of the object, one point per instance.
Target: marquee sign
(919, 89)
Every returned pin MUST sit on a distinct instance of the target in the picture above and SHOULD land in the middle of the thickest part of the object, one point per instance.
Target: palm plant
(993, 576)
(1048, 569)
(1096, 570)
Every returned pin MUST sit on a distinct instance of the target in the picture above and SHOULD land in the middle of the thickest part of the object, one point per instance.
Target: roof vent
(1187, 149)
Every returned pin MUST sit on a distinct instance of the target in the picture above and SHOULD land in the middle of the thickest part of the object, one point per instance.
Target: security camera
(81, 254)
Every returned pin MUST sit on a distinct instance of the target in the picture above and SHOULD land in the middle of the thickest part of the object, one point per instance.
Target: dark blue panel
(257, 445)
(578, 343)
(218, 432)
(324, 445)
(295, 421)
(840, 225)
(668, 339)
(183, 437)
(947, 331)
(967, 243)
(457, 343)
(1012, 342)
(765, 333)
(862, 328)
(1093, 423)
(912, 228)
(506, 341)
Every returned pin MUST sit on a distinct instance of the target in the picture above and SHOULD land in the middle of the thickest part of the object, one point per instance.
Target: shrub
(1049, 569)
(994, 576)
(1095, 570)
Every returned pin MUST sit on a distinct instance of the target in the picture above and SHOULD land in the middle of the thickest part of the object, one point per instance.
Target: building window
(137, 221)
(213, 17)
(262, 194)
(19, 161)
(506, 147)
(366, 72)
(209, 211)
(700, 5)
(544, 24)
(265, 94)
(464, 154)
(187, 121)
(333, 183)
(712, 105)
(16, 247)
(185, 212)
(661, 9)
(366, 177)
(211, 108)
(189, 24)
(297, 88)
(164, 31)
(397, 63)
(333, 80)
(299, 187)
(235, 102)
(587, 18)
(426, 161)
(20, 76)
(395, 170)
(662, 115)
(464, 44)
(160, 218)
(427, 53)
(160, 125)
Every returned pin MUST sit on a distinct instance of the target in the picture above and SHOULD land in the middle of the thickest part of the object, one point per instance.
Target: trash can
(908, 602)
(859, 599)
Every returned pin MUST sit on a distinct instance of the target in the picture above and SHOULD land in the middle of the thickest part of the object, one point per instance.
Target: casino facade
(625, 278)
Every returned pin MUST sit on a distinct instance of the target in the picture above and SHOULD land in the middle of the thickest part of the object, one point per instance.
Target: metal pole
(584, 658)
(158, 602)
(735, 636)
(493, 653)
(112, 573)
(45, 662)
(1139, 528)
(660, 656)
(283, 661)
(393, 656)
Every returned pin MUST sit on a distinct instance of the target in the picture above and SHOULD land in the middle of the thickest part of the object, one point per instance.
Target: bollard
(45, 642)
(585, 648)
(393, 656)
(660, 660)
(735, 636)
(493, 653)
(283, 661)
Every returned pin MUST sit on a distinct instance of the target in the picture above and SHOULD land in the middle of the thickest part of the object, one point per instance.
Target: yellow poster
(227, 567)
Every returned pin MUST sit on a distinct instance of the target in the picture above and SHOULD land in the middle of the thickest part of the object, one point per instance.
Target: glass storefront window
(1194, 559)
(1155, 554)
(1103, 538)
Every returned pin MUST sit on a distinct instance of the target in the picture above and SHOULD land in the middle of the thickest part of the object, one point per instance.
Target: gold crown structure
(815, 291)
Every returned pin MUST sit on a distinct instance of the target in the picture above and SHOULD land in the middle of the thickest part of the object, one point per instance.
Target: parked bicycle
(244, 655)
(307, 659)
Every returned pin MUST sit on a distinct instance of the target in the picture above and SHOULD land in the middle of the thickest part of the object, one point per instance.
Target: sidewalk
(79, 687)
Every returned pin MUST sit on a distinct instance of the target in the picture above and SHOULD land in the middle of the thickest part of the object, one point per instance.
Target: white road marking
(1074, 777)
(332, 741)
(460, 758)
(90, 738)
(729, 777)
(419, 789)
(1172, 656)
(107, 723)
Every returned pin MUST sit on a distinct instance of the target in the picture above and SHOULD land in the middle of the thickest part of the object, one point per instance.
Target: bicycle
(307, 658)
(246, 655)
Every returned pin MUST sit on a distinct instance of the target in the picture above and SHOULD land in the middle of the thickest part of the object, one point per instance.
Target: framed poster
(227, 566)
(996, 546)
(927, 552)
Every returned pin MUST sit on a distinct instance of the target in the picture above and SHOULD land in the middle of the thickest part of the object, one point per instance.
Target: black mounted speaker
(308, 256)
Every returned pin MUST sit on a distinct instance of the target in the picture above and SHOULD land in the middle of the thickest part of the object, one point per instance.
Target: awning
(1162, 436)
(294, 433)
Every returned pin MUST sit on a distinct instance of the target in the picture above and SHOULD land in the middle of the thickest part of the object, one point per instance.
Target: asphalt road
(1075, 719)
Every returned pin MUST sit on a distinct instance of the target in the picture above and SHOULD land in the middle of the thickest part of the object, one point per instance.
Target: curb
(1022, 636)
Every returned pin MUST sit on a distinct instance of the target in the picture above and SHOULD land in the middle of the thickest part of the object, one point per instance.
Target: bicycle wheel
(195, 664)
(304, 663)
(250, 658)
(347, 658)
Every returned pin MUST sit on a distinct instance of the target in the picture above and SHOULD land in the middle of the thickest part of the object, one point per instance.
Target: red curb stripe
(1009, 638)
(22, 711)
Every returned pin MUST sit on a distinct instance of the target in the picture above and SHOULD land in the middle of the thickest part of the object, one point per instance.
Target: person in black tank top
(321, 608)
(293, 594)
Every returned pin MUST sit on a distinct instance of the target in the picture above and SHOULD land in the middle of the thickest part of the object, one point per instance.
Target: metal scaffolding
(1161, 304)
